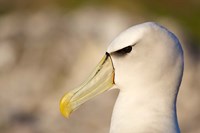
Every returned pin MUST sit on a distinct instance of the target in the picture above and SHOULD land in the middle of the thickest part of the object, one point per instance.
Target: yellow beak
(100, 80)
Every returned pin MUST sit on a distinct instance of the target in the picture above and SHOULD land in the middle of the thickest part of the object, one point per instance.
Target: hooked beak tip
(65, 106)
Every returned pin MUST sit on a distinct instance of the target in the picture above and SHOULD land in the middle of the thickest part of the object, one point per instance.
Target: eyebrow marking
(124, 51)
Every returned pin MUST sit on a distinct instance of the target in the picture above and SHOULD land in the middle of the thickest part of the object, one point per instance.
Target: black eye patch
(125, 50)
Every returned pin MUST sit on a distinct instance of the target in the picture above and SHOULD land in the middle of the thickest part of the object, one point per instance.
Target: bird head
(140, 55)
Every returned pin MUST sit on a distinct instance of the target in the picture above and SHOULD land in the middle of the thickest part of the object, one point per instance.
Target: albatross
(145, 62)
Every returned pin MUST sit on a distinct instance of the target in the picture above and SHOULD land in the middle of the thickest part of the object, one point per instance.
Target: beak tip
(65, 107)
(65, 111)
(66, 115)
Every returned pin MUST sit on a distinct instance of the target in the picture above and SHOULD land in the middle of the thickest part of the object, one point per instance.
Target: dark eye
(124, 50)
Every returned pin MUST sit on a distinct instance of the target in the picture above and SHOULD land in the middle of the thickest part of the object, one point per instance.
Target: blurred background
(48, 47)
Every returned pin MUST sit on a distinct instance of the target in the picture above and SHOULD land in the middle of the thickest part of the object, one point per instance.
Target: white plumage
(148, 79)
(147, 62)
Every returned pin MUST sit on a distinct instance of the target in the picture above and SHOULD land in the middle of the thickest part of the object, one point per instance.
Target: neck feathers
(145, 112)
